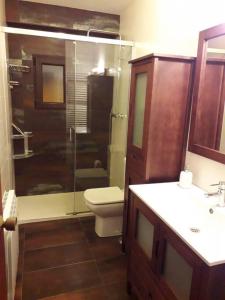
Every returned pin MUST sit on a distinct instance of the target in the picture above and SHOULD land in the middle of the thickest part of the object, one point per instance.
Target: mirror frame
(200, 66)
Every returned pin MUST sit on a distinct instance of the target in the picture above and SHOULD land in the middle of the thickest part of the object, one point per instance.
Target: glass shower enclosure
(69, 113)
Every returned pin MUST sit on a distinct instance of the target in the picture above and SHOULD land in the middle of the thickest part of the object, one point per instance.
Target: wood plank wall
(37, 15)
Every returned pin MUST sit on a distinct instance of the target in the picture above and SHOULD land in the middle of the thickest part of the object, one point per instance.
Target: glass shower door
(101, 103)
(41, 90)
(71, 100)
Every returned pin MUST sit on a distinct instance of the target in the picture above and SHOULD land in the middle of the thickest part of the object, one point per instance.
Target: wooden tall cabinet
(158, 121)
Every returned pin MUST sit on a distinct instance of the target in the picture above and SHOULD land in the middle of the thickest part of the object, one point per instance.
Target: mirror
(207, 134)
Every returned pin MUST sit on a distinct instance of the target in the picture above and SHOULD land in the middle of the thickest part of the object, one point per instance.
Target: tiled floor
(65, 260)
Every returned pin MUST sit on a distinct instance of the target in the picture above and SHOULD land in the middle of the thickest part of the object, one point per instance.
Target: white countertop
(182, 209)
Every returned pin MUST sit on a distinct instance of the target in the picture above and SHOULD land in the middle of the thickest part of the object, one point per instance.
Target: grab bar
(25, 136)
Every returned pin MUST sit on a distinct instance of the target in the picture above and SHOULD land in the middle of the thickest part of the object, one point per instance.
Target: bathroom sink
(190, 214)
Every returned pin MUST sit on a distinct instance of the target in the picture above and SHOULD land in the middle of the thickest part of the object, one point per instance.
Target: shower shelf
(19, 68)
(25, 137)
(13, 83)
(20, 136)
(23, 155)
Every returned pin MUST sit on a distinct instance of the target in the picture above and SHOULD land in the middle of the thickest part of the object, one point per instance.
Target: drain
(195, 229)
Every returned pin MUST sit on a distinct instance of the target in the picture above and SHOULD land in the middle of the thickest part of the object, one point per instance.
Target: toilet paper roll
(185, 180)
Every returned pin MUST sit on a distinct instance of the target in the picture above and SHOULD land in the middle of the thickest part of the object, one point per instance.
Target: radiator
(11, 243)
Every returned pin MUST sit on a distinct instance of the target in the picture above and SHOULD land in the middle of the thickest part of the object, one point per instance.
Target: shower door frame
(66, 36)
(3, 284)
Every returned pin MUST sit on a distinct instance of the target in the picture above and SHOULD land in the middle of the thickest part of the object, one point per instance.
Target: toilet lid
(105, 195)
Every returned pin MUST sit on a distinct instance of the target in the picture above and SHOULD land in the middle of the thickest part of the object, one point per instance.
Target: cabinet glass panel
(145, 234)
(139, 109)
(177, 273)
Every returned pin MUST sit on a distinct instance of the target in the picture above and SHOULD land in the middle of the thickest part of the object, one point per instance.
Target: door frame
(3, 283)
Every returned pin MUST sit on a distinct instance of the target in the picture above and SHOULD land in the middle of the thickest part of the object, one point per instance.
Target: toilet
(107, 205)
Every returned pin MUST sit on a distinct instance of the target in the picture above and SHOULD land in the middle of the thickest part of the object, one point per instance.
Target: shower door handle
(71, 132)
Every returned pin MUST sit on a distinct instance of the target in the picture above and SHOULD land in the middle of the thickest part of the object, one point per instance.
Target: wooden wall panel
(26, 14)
(52, 166)
(12, 10)
(51, 169)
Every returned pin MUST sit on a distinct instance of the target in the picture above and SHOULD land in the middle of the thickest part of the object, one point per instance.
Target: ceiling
(107, 6)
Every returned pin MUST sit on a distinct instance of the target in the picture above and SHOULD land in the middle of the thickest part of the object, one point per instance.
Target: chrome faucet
(220, 193)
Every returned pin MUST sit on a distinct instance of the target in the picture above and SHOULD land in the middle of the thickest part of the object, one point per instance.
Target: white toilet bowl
(107, 205)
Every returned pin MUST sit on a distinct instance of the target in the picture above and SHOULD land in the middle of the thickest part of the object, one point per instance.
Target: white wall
(169, 27)
(172, 27)
(5, 114)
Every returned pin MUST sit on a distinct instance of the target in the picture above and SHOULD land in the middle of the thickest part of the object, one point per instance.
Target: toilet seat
(107, 195)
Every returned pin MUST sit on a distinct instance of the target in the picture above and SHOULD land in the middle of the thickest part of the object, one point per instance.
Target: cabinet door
(178, 267)
(142, 280)
(144, 233)
(143, 286)
(139, 114)
(131, 178)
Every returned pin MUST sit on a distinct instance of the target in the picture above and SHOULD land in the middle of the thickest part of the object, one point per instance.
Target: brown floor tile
(40, 284)
(62, 236)
(87, 222)
(48, 225)
(51, 268)
(103, 248)
(90, 294)
(117, 291)
(90, 234)
(113, 270)
(56, 256)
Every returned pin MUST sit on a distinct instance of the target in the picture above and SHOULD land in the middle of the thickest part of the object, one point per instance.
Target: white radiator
(11, 242)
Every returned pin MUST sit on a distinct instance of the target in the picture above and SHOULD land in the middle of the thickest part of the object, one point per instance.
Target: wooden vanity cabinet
(144, 250)
(158, 121)
(162, 267)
